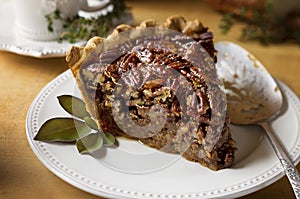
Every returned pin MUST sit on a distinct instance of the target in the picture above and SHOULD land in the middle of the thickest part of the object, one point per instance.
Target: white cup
(31, 21)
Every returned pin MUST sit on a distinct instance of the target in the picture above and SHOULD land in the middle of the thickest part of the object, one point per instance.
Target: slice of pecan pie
(158, 87)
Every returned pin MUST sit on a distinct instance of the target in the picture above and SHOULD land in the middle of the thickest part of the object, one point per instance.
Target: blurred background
(269, 29)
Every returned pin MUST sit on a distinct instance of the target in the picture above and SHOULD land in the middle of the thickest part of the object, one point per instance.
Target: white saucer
(12, 42)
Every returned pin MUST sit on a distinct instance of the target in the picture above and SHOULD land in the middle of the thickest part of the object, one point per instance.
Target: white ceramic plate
(256, 165)
(12, 42)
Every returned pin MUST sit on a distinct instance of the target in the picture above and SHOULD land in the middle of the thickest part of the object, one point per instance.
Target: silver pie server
(253, 97)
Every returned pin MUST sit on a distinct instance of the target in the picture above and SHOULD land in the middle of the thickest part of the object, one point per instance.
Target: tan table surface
(22, 175)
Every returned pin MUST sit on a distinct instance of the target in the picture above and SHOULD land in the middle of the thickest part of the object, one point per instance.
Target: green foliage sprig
(81, 129)
(80, 28)
(262, 26)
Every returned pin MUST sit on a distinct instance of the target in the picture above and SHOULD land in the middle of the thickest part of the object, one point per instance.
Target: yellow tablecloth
(22, 175)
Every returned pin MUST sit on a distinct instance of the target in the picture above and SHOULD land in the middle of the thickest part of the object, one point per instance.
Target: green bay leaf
(89, 143)
(91, 123)
(73, 105)
(62, 129)
(108, 139)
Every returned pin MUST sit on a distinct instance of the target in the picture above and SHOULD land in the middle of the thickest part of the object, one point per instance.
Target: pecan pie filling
(160, 98)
